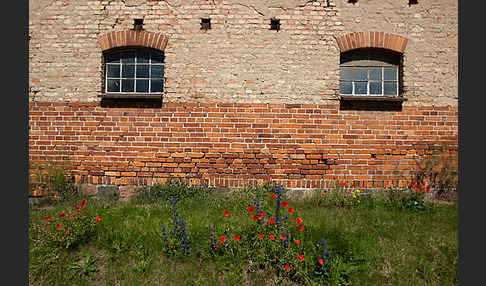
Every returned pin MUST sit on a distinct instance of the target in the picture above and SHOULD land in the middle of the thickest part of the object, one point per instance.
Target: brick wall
(231, 144)
(241, 101)
(240, 59)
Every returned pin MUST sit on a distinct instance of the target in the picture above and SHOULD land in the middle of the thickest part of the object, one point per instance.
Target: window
(134, 71)
(370, 72)
(205, 24)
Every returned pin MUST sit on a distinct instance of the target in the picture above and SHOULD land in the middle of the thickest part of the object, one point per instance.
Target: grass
(371, 243)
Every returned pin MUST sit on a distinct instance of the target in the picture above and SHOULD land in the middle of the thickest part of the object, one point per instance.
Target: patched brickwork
(235, 144)
(241, 102)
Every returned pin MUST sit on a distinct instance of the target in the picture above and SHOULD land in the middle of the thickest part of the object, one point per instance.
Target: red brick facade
(230, 144)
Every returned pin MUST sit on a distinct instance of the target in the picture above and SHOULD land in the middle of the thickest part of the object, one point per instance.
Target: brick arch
(133, 38)
(382, 40)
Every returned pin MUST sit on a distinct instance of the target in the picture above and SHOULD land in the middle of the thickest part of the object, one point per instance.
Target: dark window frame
(149, 79)
(371, 58)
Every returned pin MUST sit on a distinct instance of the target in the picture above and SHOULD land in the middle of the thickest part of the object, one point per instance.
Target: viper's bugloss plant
(178, 238)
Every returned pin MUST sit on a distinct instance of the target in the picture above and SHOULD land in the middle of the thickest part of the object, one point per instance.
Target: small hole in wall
(274, 24)
(412, 2)
(352, 1)
(138, 24)
(205, 24)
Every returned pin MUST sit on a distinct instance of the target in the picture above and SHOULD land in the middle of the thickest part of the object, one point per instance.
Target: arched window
(133, 70)
(370, 72)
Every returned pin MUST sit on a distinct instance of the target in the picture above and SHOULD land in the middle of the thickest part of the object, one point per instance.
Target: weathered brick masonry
(234, 144)
(241, 102)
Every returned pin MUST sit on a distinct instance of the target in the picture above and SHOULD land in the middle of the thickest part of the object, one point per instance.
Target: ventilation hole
(412, 2)
(205, 24)
(274, 24)
(138, 24)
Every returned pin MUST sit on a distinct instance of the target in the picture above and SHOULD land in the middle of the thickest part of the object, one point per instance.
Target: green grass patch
(376, 241)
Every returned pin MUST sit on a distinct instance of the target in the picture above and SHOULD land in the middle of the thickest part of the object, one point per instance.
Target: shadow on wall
(131, 102)
(370, 105)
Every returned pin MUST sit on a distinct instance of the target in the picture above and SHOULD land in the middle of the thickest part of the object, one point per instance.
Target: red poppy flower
(237, 237)
(269, 221)
(291, 210)
(254, 217)
(283, 236)
(413, 185)
(287, 267)
(218, 246)
(47, 218)
(301, 257)
(428, 190)
(58, 226)
(260, 236)
(226, 213)
(272, 220)
(417, 189)
(62, 214)
(301, 227)
(74, 214)
(84, 202)
(320, 261)
(323, 192)
(334, 178)
(251, 209)
(272, 237)
(98, 218)
(222, 239)
(297, 242)
(348, 192)
(261, 215)
(268, 179)
(67, 232)
(273, 196)
(285, 204)
(298, 220)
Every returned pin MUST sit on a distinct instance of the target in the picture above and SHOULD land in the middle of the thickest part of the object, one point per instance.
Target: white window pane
(375, 73)
(390, 88)
(375, 87)
(127, 85)
(156, 85)
(128, 71)
(142, 71)
(346, 73)
(390, 73)
(360, 87)
(346, 87)
(360, 73)
(113, 85)
(113, 71)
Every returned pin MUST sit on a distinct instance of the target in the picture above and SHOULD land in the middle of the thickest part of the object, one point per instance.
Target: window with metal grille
(370, 72)
(134, 71)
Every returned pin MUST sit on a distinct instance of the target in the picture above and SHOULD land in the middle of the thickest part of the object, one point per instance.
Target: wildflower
(222, 239)
(285, 204)
(251, 209)
(272, 220)
(358, 191)
(218, 246)
(323, 192)
(62, 214)
(47, 218)
(320, 261)
(428, 190)
(283, 236)
(58, 226)
(272, 237)
(348, 191)
(98, 218)
(226, 213)
(287, 267)
(84, 202)
(67, 233)
(301, 227)
(301, 257)
(334, 178)
(254, 217)
(298, 220)
(237, 237)
(273, 196)
(74, 214)
(297, 242)
(311, 268)
(260, 236)
(291, 210)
